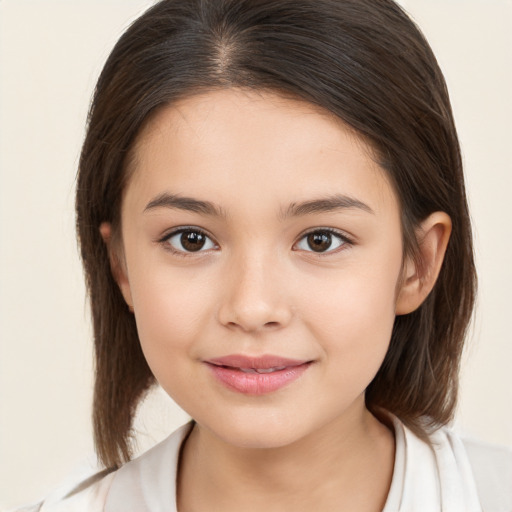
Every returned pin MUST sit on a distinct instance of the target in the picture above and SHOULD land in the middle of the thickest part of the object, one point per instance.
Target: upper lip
(257, 362)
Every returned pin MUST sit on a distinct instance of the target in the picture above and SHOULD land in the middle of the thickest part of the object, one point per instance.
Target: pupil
(319, 242)
(192, 240)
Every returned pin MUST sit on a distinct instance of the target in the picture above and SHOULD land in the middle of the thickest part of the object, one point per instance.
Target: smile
(262, 370)
(256, 375)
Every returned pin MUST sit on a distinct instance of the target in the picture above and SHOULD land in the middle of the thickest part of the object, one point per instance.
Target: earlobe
(117, 266)
(419, 277)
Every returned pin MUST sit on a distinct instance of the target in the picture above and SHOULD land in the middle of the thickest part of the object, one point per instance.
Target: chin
(256, 439)
(260, 431)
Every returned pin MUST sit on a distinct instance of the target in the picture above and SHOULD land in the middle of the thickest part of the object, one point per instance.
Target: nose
(255, 296)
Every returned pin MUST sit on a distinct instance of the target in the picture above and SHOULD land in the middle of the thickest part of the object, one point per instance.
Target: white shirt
(449, 476)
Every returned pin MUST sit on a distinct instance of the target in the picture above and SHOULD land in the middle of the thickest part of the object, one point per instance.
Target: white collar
(431, 478)
(148, 483)
(426, 478)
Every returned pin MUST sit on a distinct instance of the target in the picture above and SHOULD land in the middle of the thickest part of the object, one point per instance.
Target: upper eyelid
(180, 229)
(164, 241)
(347, 241)
(175, 231)
(343, 235)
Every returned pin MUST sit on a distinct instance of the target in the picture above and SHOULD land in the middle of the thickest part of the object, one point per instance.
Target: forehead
(194, 115)
(253, 141)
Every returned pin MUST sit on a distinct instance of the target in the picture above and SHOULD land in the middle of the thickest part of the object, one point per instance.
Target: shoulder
(445, 472)
(492, 471)
(150, 476)
(488, 466)
(88, 495)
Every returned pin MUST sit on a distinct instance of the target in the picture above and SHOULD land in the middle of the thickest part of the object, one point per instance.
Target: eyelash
(192, 229)
(343, 239)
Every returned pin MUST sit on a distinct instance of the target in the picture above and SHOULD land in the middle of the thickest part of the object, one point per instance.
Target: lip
(241, 373)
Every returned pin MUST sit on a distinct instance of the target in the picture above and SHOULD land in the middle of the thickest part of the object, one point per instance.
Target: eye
(189, 240)
(321, 240)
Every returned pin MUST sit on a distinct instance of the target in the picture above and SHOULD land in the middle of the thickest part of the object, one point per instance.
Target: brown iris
(319, 241)
(192, 240)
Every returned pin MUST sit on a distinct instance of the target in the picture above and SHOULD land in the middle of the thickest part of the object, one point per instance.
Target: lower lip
(257, 383)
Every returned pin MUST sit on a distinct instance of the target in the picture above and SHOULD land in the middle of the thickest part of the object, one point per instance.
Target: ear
(117, 264)
(419, 278)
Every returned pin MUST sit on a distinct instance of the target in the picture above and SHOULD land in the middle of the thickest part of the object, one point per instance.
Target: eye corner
(325, 236)
(201, 241)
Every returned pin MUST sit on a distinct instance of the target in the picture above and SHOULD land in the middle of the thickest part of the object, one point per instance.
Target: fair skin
(246, 279)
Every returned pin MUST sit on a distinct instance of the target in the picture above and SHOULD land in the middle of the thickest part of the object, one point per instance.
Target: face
(261, 253)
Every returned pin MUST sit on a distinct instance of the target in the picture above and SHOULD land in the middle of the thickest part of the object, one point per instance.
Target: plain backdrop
(51, 52)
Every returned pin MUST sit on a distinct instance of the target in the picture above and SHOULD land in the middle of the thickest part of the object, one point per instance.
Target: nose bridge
(255, 296)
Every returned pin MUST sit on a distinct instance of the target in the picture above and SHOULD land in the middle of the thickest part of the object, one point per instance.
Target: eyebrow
(327, 204)
(190, 204)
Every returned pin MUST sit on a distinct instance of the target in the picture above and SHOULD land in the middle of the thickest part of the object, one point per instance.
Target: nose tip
(252, 320)
(254, 301)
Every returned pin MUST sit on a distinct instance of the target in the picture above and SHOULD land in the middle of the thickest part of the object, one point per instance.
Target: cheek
(171, 308)
(354, 311)
(355, 325)
(355, 331)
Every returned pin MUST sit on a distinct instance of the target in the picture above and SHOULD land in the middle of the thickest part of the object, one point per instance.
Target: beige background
(50, 55)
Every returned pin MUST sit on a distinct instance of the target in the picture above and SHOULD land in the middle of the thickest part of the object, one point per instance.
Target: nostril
(253, 317)
(244, 326)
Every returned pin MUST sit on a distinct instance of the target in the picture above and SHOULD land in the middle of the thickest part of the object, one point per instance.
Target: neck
(345, 465)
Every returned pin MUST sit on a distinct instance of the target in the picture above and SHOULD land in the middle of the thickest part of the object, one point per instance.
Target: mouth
(260, 370)
(256, 375)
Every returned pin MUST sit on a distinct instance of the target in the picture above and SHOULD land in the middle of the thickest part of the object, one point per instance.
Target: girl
(273, 224)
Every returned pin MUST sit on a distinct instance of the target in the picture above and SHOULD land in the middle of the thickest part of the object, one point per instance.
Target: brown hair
(362, 60)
